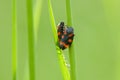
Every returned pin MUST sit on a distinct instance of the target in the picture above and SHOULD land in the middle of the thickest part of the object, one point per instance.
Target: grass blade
(30, 39)
(71, 48)
(72, 62)
(62, 63)
(52, 21)
(36, 16)
(14, 39)
(68, 13)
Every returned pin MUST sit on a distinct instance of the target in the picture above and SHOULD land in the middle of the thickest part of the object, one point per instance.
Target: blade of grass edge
(52, 21)
(30, 39)
(63, 66)
(71, 48)
(14, 40)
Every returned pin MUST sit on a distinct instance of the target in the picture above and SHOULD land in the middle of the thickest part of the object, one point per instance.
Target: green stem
(71, 49)
(64, 69)
(36, 16)
(62, 62)
(72, 62)
(14, 39)
(68, 13)
(30, 39)
(52, 21)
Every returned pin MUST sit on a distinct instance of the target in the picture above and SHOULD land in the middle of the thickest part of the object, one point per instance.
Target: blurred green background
(97, 39)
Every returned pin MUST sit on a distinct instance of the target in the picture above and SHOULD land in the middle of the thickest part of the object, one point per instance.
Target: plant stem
(14, 39)
(52, 21)
(64, 69)
(72, 62)
(30, 39)
(71, 48)
(36, 16)
(68, 13)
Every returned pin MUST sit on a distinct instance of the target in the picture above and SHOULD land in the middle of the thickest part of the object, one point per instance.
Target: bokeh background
(97, 39)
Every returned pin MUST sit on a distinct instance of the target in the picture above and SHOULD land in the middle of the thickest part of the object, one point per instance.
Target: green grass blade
(30, 39)
(71, 49)
(36, 16)
(68, 13)
(72, 62)
(52, 21)
(14, 39)
(64, 69)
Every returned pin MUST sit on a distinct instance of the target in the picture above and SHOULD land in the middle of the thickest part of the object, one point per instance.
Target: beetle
(67, 38)
(60, 30)
(65, 35)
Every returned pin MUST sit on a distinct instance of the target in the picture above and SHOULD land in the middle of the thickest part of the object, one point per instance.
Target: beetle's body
(65, 36)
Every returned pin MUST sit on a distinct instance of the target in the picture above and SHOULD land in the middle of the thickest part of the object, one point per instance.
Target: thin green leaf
(52, 21)
(68, 13)
(14, 39)
(30, 39)
(71, 48)
(36, 16)
(64, 69)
